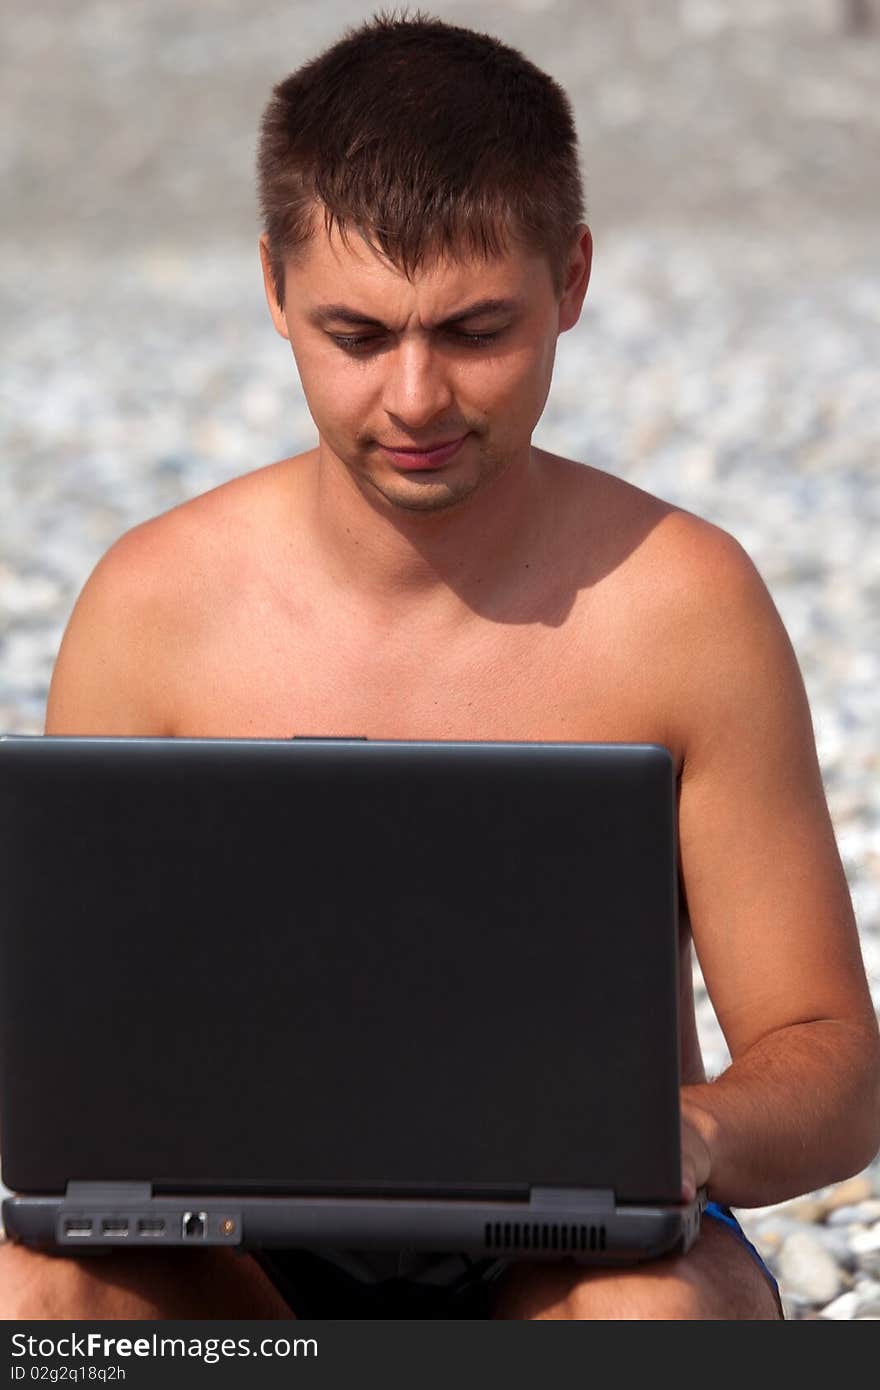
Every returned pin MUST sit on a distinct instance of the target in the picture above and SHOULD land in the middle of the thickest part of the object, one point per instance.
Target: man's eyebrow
(340, 313)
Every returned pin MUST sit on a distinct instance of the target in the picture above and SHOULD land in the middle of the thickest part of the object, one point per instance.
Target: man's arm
(769, 906)
(108, 674)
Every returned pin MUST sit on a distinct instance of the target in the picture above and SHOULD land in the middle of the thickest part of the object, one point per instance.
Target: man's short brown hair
(429, 140)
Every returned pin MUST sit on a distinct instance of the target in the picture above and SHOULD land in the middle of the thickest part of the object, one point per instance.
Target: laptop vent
(542, 1235)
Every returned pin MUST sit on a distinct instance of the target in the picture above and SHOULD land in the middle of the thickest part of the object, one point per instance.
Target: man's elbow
(866, 1122)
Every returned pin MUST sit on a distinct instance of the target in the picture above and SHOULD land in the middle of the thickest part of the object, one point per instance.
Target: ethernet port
(195, 1225)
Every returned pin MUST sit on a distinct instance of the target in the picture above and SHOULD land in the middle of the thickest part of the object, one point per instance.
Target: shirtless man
(502, 592)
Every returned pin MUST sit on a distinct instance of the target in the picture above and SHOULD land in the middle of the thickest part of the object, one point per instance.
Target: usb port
(151, 1226)
(114, 1226)
(77, 1226)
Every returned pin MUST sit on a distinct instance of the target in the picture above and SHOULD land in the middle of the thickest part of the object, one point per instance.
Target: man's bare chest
(257, 674)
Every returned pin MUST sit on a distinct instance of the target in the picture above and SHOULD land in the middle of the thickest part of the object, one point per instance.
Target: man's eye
(363, 342)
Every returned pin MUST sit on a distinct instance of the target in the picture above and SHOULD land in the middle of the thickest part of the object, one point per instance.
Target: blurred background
(726, 359)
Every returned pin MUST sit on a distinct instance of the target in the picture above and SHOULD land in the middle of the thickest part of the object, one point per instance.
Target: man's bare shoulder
(684, 560)
(210, 518)
(189, 551)
(700, 595)
(682, 600)
(138, 618)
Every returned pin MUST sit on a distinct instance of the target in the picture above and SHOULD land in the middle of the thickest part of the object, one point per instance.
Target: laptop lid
(338, 966)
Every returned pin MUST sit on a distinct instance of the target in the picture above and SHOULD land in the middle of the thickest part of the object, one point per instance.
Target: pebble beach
(726, 359)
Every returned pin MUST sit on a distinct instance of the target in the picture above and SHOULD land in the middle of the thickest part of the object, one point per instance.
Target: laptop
(341, 993)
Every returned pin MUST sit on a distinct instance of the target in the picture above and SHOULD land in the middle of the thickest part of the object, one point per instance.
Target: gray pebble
(808, 1269)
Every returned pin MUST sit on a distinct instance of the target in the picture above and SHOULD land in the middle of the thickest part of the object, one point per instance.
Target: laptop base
(588, 1227)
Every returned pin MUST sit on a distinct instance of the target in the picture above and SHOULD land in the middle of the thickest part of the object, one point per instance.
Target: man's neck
(472, 558)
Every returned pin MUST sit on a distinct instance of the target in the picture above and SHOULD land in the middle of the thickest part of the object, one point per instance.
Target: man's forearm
(799, 1110)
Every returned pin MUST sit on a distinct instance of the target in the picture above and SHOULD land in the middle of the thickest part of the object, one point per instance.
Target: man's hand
(696, 1160)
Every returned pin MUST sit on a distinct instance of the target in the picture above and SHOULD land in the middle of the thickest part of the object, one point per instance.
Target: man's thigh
(718, 1278)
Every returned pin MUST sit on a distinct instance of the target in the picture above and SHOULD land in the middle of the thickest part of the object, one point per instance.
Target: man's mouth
(428, 456)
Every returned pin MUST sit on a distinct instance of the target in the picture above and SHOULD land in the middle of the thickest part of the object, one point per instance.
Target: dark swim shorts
(337, 1284)
(348, 1284)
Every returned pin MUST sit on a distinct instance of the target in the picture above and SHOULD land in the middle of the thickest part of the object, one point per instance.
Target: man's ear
(577, 278)
(278, 316)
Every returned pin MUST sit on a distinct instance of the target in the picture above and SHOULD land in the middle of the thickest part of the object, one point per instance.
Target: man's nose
(417, 386)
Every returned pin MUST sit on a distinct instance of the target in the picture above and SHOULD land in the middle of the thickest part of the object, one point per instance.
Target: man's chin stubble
(436, 495)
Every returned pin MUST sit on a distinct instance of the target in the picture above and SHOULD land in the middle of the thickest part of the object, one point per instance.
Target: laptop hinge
(601, 1197)
(103, 1192)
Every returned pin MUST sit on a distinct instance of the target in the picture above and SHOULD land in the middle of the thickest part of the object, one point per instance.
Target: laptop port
(151, 1226)
(195, 1225)
(114, 1226)
(77, 1226)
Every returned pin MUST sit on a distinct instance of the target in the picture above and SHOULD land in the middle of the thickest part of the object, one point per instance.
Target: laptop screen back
(302, 966)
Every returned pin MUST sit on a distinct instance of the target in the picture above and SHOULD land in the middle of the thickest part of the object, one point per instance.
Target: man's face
(464, 350)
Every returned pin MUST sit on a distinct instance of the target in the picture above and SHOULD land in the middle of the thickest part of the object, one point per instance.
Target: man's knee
(636, 1297)
(137, 1285)
(569, 1292)
(33, 1284)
